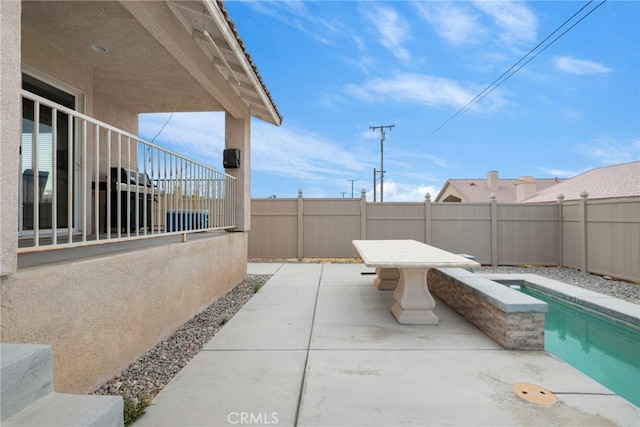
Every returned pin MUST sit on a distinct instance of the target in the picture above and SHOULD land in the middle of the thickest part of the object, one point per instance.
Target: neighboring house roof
(477, 190)
(606, 182)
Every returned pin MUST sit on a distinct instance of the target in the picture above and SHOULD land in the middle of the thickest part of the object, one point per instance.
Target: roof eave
(268, 111)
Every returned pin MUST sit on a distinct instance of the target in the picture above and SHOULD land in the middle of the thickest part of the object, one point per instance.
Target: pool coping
(615, 308)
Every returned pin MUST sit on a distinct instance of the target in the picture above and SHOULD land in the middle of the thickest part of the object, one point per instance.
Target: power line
(508, 74)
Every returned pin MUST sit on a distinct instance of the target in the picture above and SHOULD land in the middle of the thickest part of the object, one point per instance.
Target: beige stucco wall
(100, 314)
(9, 133)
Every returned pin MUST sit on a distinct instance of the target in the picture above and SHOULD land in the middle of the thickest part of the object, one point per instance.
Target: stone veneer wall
(512, 330)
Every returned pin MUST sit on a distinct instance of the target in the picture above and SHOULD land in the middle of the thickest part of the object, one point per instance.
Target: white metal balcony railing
(85, 182)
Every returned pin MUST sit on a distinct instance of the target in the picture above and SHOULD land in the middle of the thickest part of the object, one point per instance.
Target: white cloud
(609, 150)
(470, 23)
(280, 151)
(296, 14)
(429, 158)
(573, 65)
(414, 88)
(395, 192)
(517, 23)
(454, 22)
(605, 150)
(393, 31)
(299, 154)
(439, 162)
(363, 62)
(199, 135)
(370, 133)
(559, 173)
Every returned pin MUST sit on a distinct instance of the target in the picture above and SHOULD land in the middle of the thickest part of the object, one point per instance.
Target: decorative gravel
(151, 372)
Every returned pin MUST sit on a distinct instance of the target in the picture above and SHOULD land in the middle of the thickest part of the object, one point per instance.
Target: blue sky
(335, 68)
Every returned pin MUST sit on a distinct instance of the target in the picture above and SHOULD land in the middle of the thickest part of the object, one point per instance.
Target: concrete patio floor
(318, 346)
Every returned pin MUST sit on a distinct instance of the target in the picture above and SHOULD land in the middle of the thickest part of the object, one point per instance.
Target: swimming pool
(605, 347)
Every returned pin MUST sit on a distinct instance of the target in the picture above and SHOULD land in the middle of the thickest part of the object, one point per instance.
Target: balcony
(85, 182)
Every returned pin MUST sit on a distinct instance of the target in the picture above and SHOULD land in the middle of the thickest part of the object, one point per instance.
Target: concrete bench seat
(512, 319)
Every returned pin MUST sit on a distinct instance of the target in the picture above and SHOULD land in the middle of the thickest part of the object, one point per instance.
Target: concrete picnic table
(403, 265)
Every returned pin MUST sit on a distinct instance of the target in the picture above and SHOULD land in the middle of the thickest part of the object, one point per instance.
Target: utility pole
(374, 184)
(343, 193)
(375, 181)
(352, 180)
(381, 158)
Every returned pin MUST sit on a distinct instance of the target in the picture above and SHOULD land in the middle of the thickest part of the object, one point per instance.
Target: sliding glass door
(47, 159)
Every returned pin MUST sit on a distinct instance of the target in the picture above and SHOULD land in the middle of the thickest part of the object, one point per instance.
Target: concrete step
(26, 375)
(27, 397)
(70, 410)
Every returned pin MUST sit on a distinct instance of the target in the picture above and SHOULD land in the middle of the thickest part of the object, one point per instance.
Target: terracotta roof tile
(606, 182)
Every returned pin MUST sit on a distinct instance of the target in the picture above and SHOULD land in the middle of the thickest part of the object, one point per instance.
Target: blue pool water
(600, 347)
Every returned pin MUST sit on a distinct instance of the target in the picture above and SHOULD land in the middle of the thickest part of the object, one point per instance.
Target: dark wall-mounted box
(231, 158)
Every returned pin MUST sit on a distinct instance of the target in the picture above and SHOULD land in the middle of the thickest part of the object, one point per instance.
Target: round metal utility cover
(534, 394)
